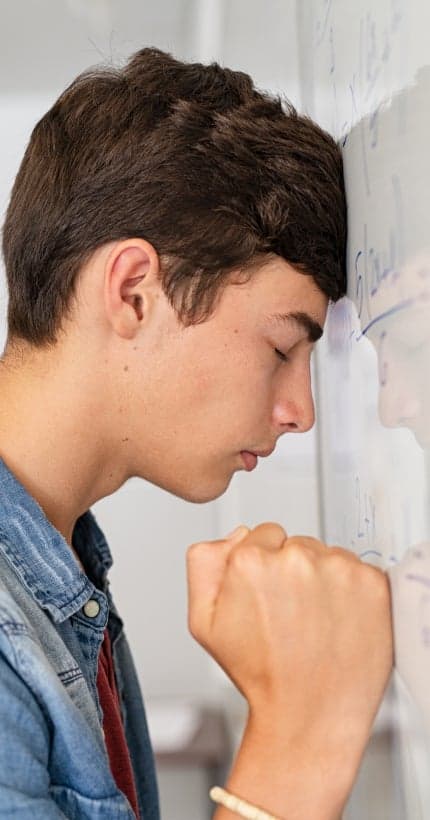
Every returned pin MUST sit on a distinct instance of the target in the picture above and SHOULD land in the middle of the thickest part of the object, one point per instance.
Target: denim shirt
(53, 759)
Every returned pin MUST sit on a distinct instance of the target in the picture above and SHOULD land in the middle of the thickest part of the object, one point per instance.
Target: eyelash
(281, 355)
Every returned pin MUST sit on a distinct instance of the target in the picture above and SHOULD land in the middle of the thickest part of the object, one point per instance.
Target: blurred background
(195, 714)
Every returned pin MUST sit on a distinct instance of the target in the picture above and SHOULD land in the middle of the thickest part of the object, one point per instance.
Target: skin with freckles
(129, 391)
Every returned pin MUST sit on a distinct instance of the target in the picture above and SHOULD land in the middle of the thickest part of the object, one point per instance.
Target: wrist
(314, 740)
(293, 777)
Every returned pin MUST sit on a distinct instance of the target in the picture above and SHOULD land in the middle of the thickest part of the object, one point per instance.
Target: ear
(130, 285)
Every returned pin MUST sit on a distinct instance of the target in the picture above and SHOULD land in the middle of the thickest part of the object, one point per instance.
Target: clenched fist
(302, 629)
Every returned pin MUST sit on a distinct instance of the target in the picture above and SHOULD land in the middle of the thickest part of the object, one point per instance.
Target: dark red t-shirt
(116, 744)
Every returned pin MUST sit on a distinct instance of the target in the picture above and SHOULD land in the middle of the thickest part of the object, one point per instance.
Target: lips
(249, 459)
(262, 453)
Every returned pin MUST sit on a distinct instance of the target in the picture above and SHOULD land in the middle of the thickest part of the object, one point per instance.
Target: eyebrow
(313, 328)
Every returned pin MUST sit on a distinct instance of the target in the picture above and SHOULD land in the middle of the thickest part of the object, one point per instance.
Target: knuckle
(194, 551)
(270, 528)
(293, 546)
(300, 558)
(341, 552)
(377, 579)
(341, 569)
(312, 546)
(246, 557)
(191, 551)
(194, 627)
(350, 569)
(342, 562)
(191, 626)
(309, 541)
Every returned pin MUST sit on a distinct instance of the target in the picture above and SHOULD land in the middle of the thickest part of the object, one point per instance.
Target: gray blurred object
(44, 44)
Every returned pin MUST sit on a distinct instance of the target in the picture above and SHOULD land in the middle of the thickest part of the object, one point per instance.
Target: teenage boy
(171, 244)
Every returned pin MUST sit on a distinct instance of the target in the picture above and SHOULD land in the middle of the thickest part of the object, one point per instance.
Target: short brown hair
(193, 158)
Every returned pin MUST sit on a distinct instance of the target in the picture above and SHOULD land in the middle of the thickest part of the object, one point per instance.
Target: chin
(201, 493)
(197, 487)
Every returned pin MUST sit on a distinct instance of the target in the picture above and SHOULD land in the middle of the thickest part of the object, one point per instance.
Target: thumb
(237, 534)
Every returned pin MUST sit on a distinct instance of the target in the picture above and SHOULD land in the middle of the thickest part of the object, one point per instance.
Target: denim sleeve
(24, 752)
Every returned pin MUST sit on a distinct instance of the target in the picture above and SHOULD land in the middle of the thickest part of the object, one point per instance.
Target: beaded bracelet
(239, 806)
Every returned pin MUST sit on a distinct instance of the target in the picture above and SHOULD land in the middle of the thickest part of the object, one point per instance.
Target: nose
(294, 410)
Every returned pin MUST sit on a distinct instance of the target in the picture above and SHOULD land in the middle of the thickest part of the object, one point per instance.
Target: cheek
(250, 394)
(216, 374)
(229, 388)
(226, 403)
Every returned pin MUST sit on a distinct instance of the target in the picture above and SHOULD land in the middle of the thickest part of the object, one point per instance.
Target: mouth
(250, 460)
(250, 457)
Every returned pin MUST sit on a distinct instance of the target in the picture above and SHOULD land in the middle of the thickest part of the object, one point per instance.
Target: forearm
(291, 780)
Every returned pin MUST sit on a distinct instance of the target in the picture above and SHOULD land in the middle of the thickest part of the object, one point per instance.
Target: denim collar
(40, 555)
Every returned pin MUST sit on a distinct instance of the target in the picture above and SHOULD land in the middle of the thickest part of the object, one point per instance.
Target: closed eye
(281, 355)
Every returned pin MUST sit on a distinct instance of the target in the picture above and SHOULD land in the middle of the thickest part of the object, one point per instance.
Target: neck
(54, 427)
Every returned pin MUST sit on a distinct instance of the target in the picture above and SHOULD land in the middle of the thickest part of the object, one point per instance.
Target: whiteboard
(365, 78)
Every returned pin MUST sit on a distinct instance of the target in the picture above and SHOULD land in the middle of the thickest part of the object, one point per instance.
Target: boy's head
(162, 212)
